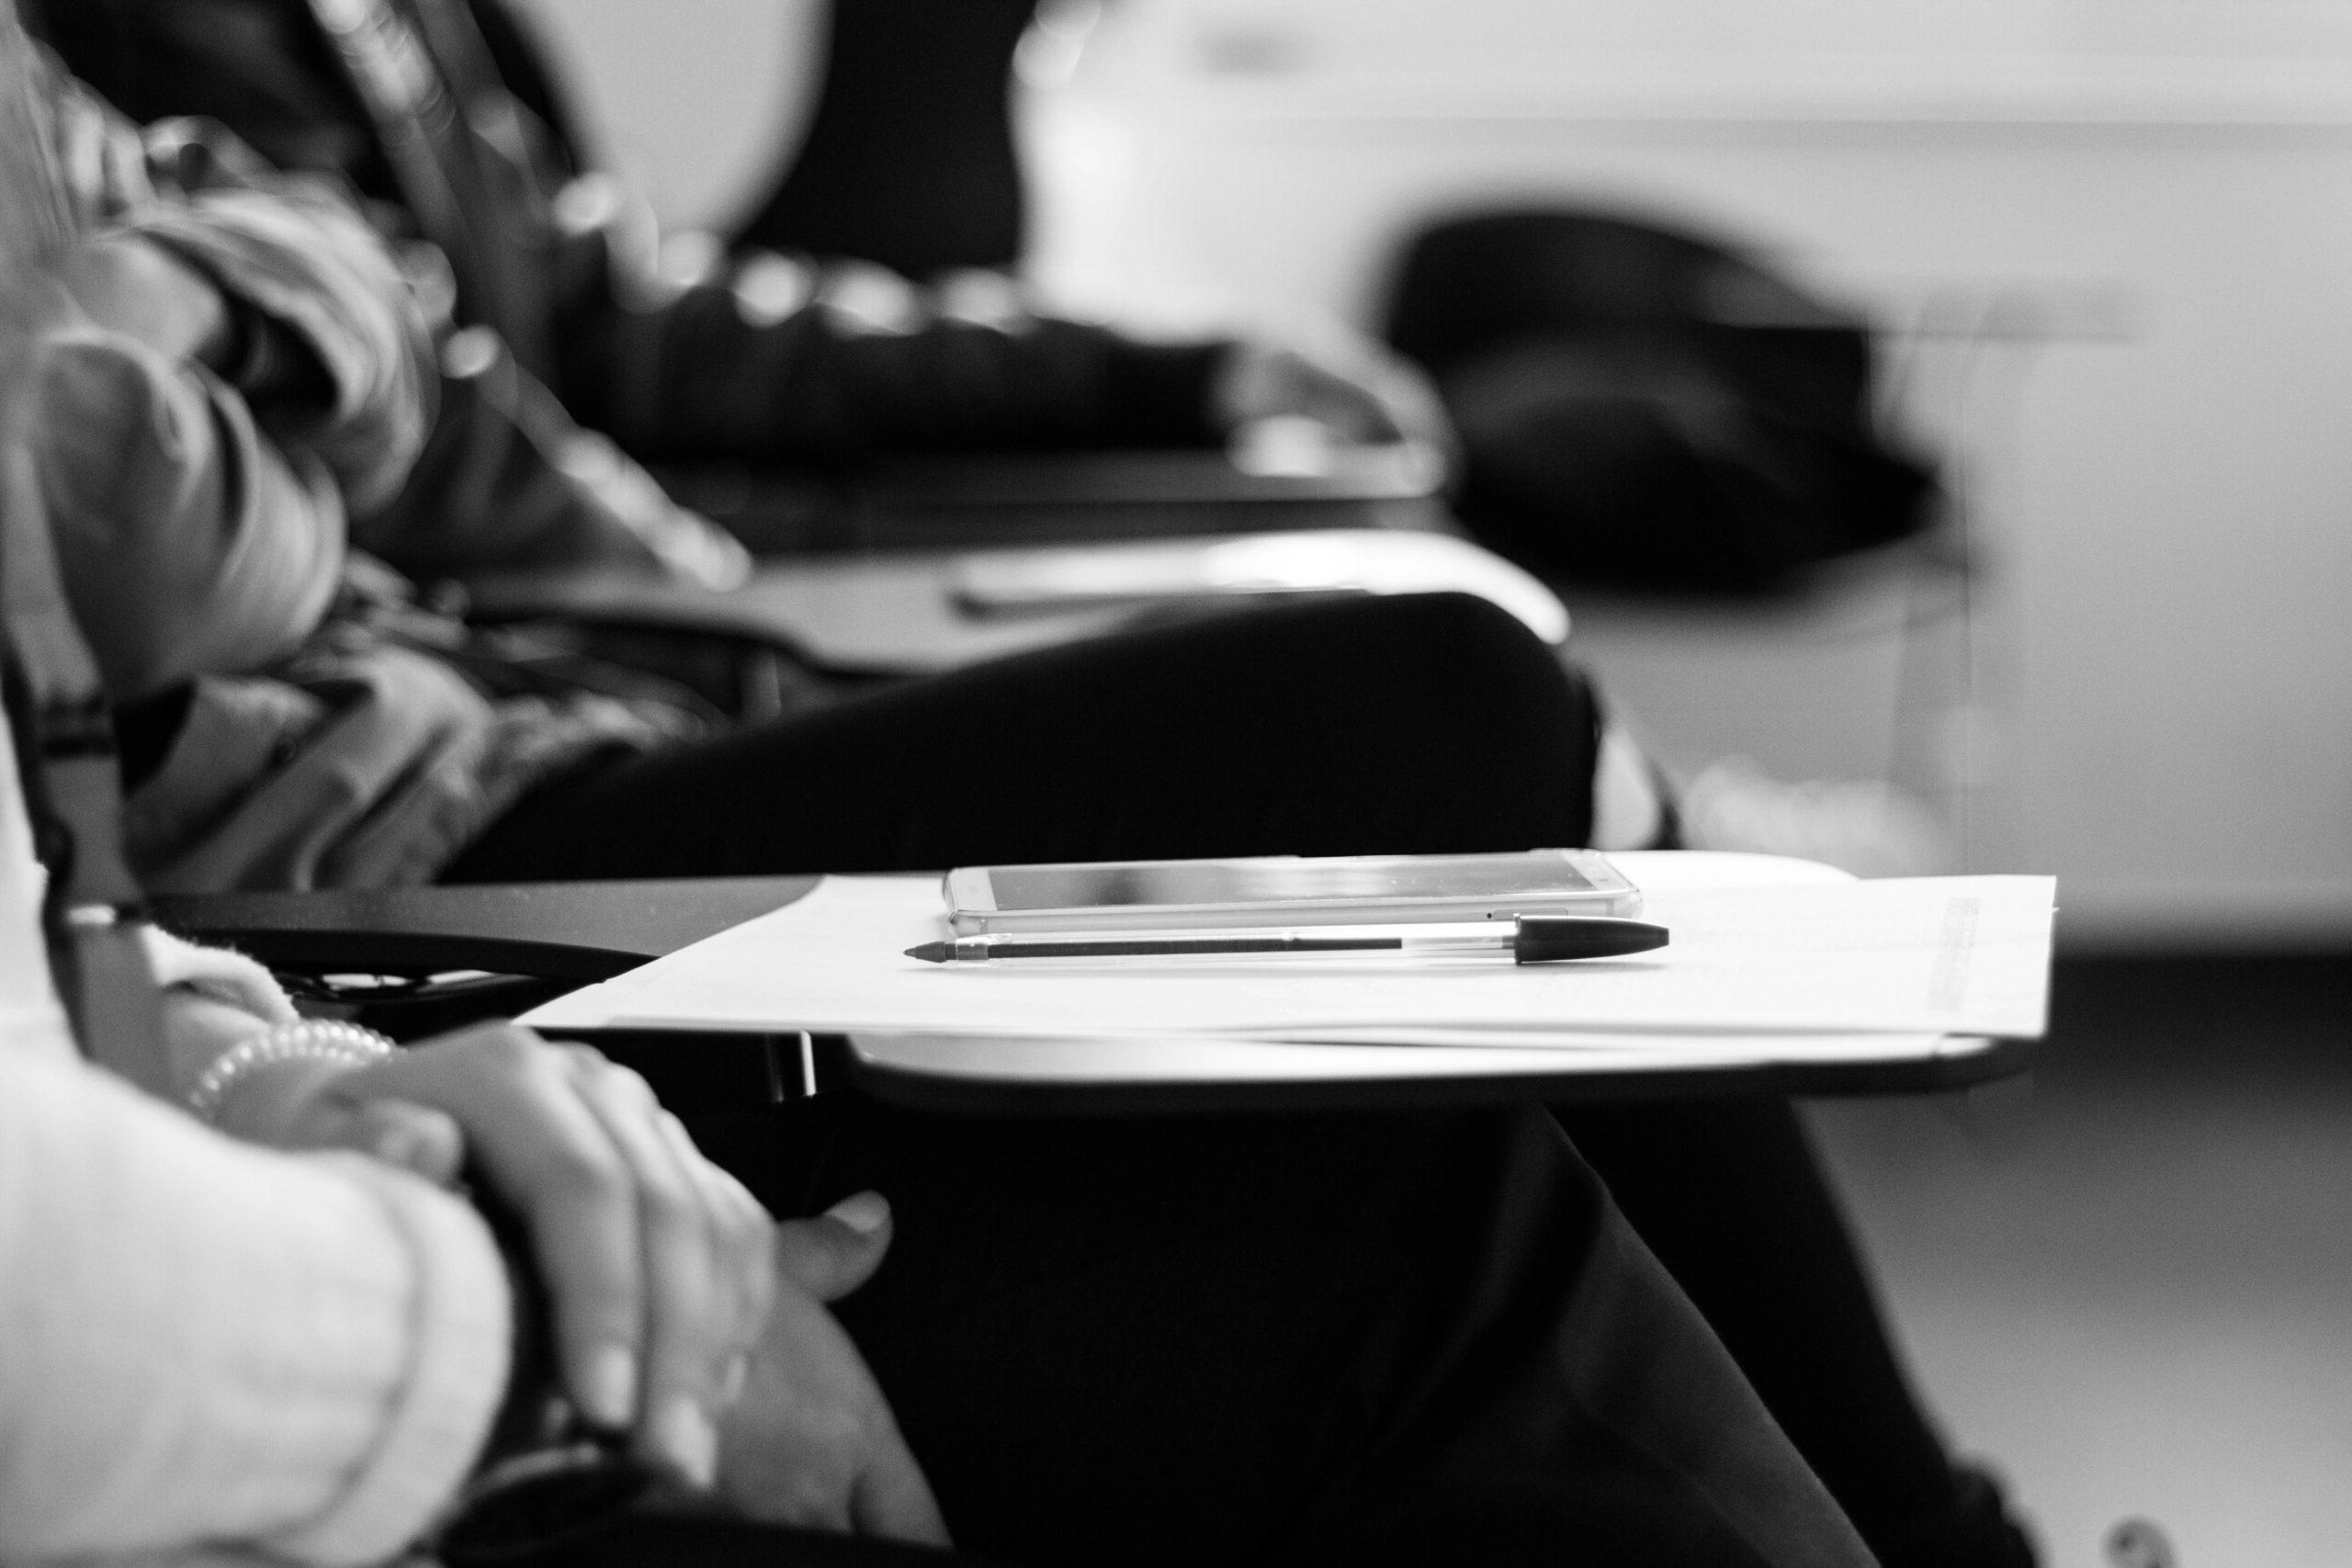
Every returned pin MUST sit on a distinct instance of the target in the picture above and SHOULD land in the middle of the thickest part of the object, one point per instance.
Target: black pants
(1418, 724)
(1365, 1338)
(1367, 727)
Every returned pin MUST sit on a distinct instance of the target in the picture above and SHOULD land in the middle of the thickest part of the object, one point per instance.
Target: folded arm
(313, 321)
(231, 357)
(309, 1350)
(656, 1260)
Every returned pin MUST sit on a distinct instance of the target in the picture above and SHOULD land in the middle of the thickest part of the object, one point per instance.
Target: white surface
(700, 106)
(1674, 871)
(919, 610)
(1180, 1059)
(1939, 955)
(1374, 560)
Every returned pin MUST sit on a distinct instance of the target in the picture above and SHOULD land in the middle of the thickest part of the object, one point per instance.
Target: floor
(2126, 1280)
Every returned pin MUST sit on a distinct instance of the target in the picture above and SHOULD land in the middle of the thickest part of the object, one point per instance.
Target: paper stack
(1770, 960)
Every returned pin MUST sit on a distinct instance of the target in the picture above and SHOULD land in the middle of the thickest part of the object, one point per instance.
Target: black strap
(65, 755)
(57, 705)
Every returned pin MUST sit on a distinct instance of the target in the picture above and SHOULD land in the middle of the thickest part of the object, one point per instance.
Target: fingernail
(864, 1212)
(684, 1436)
(399, 1144)
(610, 1397)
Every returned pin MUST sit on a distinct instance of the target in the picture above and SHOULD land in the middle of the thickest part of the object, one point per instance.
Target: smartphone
(1285, 890)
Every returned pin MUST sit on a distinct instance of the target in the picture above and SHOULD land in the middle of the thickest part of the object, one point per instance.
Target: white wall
(697, 103)
(2150, 203)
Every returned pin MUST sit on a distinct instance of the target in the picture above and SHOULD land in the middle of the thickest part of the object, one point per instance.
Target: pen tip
(1549, 939)
(930, 953)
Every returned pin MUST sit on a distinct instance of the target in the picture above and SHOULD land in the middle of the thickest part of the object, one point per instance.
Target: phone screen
(1149, 883)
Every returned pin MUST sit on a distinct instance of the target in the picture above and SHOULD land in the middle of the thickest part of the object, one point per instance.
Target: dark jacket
(773, 361)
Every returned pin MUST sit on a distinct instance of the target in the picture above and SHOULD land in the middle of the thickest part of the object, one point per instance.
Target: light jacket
(205, 1348)
(323, 730)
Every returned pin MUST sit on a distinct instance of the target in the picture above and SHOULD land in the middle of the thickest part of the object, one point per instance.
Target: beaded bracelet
(307, 1040)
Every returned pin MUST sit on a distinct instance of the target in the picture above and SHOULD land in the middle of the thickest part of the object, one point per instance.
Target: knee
(1476, 626)
(1480, 689)
(1471, 645)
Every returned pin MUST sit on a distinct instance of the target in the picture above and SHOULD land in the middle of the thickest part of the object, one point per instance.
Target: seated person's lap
(1359, 1337)
(1413, 725)
(1417, 724)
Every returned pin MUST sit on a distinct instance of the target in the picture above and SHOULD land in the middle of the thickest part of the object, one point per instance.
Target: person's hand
(1355, 390)
(812, 1442)
(660, 1266)
(136, 287)
(212, 997)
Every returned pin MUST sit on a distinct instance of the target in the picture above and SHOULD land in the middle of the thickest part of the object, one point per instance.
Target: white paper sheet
(1929, 955)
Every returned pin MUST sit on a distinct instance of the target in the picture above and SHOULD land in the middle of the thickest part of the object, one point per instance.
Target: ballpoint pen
(1530, 939)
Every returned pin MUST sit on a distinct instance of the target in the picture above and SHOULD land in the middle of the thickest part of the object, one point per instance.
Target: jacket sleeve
(206, 1343)
(308, 1349)
(217, 503)
(785, 361)
(338, 355)
(338, 349)
(721, 371)
(188, 542)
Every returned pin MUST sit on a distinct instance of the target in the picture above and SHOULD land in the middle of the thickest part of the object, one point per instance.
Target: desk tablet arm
(418, 961)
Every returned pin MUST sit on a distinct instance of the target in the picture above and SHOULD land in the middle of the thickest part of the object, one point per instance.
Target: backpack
(1646, 406)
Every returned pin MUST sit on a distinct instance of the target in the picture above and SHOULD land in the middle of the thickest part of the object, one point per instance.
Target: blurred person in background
(449, 121)
(568, 352)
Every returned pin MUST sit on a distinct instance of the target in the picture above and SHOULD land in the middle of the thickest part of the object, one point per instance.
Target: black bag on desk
(1642, 406)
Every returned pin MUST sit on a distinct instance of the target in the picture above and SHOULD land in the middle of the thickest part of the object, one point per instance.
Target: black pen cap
(1547, 939)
